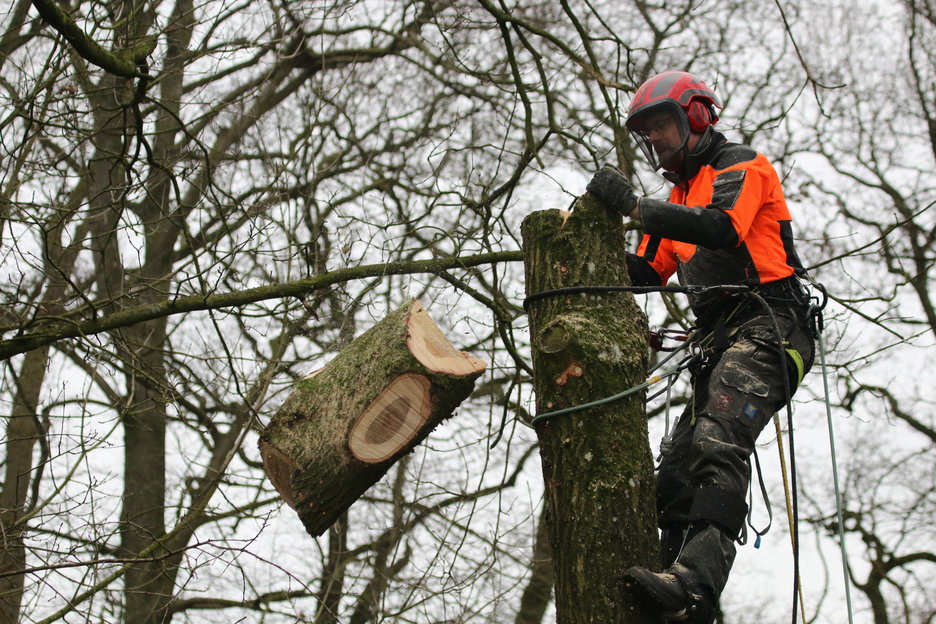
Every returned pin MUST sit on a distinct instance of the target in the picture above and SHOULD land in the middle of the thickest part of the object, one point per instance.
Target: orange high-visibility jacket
(728, 224)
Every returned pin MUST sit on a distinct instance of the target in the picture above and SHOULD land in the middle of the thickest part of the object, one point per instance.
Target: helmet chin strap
(704, 141)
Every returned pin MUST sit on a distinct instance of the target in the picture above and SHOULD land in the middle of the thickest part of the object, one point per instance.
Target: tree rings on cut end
(429, 345)
(392, 420)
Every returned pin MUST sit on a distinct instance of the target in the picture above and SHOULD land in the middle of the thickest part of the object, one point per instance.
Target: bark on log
(346, 424)
(597, 464)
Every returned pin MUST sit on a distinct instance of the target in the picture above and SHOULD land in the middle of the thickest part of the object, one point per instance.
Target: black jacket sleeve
(708, 227)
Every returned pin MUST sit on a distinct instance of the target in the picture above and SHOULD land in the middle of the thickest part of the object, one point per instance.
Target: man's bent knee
(721, 508)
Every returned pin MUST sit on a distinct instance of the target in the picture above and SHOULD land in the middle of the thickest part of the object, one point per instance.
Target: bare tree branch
(60, 329)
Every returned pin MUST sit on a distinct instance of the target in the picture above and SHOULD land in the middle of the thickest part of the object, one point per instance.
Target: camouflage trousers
(704, 476)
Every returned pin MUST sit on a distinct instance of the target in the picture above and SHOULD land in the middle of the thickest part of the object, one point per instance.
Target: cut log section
(345, 425)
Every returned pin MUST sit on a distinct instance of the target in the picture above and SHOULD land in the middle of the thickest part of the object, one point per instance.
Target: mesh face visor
(653, 121)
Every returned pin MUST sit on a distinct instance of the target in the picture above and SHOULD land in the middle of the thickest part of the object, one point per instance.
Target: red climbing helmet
(691, 101)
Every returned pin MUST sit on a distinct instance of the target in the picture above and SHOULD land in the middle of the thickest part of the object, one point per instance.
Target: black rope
(615, 397)
(584, 290)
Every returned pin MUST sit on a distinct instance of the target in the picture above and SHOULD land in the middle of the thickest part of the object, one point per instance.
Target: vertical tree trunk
(596, 462)
(22, 434)
(538, 591)
(333, 573)
(148, 584)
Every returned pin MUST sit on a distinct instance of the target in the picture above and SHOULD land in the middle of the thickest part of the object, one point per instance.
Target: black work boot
(663, 589)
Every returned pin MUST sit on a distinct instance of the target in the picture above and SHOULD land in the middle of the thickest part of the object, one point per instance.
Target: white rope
(835, 479)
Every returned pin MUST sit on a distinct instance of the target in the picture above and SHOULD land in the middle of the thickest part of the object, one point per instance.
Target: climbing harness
(657, 336)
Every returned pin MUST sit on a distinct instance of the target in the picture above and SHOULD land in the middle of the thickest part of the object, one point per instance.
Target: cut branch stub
(344, 426)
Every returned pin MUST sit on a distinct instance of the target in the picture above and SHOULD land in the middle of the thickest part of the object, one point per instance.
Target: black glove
(613, 190)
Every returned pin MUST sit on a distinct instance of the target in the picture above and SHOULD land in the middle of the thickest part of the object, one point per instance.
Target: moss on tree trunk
(597, 464)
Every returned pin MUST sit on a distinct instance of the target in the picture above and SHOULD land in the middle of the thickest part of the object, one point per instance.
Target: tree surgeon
(726, 222)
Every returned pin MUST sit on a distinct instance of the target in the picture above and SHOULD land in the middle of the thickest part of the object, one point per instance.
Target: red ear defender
(700, 116)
